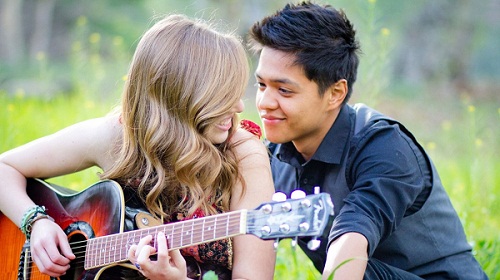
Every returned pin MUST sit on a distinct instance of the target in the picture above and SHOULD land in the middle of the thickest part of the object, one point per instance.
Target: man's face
(289, 104)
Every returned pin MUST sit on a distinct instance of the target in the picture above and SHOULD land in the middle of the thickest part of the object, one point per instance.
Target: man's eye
(282, 90)
(259, 85)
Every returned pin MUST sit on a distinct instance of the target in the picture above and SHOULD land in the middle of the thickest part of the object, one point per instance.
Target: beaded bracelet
(36, 217)
(28, 214)
(32, 215)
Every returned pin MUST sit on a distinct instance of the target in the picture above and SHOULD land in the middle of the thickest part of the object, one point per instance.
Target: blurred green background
(432, 64)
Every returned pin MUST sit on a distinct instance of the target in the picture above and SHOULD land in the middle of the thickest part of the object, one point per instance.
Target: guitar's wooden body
(94, 221)
(96, 211)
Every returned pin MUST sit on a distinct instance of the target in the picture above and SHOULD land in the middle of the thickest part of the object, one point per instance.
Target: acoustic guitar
(94, 221)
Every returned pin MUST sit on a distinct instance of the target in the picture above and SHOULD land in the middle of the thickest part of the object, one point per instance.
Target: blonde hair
(183, 77)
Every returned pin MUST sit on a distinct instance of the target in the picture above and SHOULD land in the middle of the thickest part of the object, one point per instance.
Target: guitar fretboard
(111, 249)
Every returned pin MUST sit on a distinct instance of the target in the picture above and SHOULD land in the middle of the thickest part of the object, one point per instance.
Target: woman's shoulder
(103, 128)
(247, 138)
(101, 137)
(251, 127)
(247, 131)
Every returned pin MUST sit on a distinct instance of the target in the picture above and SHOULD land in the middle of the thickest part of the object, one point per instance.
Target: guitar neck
(114, 248)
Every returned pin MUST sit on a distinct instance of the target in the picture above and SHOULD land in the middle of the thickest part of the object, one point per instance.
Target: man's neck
(308, 146)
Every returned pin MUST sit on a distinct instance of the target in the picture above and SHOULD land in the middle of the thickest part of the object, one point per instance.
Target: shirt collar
(331, 148)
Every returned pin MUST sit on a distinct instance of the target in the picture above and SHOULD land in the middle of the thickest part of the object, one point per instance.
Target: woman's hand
(168, 266)
(50, 248)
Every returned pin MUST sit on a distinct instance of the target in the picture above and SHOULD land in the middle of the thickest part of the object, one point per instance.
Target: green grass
(23, 119)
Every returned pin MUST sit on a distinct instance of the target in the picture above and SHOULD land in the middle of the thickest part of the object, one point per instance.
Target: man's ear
(337, 93)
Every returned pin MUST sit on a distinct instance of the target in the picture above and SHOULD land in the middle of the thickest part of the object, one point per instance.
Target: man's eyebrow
(279, 80)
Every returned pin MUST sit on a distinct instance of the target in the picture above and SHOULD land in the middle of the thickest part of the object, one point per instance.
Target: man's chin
(276, 139)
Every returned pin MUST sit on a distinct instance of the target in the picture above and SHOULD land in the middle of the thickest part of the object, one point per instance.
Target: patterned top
(217, 255)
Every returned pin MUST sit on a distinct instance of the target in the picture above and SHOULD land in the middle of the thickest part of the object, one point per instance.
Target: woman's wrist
(32, 215)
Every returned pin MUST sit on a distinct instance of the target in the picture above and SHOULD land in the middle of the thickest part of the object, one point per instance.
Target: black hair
(321, 38)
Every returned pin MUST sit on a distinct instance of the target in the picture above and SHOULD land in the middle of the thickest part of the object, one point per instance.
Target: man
(393, 218)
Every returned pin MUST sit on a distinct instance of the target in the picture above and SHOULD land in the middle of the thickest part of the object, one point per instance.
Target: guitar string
(173, 237)
(229, 227)
(79, 260)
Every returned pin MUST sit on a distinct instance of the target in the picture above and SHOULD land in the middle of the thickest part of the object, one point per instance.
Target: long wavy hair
(183, 77)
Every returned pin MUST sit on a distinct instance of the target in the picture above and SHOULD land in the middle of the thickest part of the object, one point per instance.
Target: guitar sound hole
(77, 242)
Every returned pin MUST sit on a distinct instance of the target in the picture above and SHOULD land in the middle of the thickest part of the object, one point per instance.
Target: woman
(175, 141)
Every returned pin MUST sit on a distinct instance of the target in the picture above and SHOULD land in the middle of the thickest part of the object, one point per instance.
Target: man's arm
(352, 246)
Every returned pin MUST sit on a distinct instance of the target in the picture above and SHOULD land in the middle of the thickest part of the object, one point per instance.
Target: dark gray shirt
(385, 187)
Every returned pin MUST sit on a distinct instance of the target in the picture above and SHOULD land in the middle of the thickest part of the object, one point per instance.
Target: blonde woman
(175, 142)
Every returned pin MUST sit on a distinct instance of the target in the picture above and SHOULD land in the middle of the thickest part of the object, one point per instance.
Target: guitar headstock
(305, 216)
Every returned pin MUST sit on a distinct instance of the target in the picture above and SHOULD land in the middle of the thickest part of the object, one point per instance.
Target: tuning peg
(294, 242)
(286, 207)
(279, 197)
(267, 209)
(303, 227)
(317, 190)
(298, 194)
(305, 203)
(266, 230)
(313, 244)
(285, 228)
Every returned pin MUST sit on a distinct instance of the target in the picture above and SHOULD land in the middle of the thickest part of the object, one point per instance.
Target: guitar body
(96, 211)
(94, 222)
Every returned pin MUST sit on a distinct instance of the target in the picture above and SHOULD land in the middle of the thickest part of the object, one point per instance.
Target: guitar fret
(87, 254)
(203, 230)
(209, 227)
(174, 245)
(90, 258)
(97, 251)
(168, 231)
(197, 231)
(215, 227)
(109, 248)
(154, 234)
(122, 245)
(192, 231)
(100, 251)
(115, 259)
(219, 227)
(103, 249)
(181, 235)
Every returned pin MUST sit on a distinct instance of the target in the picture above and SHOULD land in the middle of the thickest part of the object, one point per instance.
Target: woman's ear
(337, 93)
